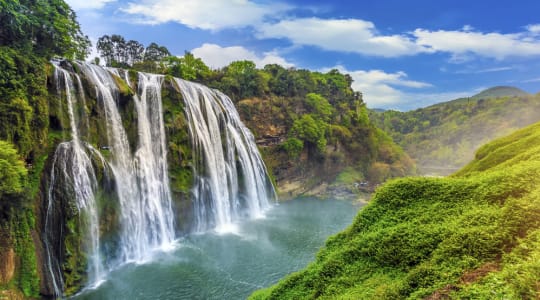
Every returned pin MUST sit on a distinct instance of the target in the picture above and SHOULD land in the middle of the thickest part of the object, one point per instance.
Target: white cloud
(467, 28)
(532, 80)
(533, 28)
(381, 89)
(360, 36)
(348, 35)
(487, 70)
(384, 90)
(216, 56)
(87, 4)
(463, 43)
(270, 21)
(207, 14)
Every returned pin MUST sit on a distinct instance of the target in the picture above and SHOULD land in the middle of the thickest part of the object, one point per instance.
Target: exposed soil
(467, 278)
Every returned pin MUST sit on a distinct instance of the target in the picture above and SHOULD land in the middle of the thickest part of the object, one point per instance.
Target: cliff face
(356, 157)
(7, 259)
(76, 187)
(79, 207)
(134, 161)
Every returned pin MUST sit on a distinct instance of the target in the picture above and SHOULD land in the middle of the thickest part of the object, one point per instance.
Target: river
(255, 254)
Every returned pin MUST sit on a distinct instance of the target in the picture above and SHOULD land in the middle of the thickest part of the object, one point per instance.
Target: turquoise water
(232, 265)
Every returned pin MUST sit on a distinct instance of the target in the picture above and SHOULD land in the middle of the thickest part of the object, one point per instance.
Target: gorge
(108, 199)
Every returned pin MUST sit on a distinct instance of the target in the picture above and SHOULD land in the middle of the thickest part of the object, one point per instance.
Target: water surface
(232, 265)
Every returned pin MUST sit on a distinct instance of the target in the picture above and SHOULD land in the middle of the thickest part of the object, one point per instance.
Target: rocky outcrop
(7, 264)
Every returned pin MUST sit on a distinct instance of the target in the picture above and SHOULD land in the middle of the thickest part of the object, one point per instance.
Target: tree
(187, 67)
(310, 130)
(155, 53)
(294, 147)
(47, 28)
(12, 172)
(134, 51)
(105, 48)
(116, 51)
(119, 51)
(242, 80)
(319, 106)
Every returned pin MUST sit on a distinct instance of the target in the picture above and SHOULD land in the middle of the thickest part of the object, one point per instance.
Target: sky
(401, 54)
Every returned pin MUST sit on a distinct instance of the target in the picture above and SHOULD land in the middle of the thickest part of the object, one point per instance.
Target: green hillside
(500, 91)
(473, 235)
(443, 137)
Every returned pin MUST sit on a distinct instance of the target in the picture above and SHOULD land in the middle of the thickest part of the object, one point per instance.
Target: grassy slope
(444, 137)
(474, 235)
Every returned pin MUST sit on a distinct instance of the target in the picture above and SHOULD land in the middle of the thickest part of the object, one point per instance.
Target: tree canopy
(47, 28)
(118, 53)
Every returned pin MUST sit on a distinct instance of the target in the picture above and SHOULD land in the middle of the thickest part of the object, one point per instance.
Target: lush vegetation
(44, 28)
(31, 33)
(443, 137)
(310, 118)
(474, 235)
(12, 172)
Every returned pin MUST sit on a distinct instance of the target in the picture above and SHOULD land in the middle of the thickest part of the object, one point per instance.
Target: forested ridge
(443, 137)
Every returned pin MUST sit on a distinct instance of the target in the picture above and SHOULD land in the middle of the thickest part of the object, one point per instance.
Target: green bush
(12, 171)
(294, 147)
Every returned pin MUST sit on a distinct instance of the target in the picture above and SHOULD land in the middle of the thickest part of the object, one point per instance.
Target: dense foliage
(31, 34)
(317, 114)
(474, 235)
(443, 137)
(45, 28)
(12, 173)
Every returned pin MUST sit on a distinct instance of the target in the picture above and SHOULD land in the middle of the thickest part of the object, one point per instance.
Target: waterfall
(72, 168)
(142, 179)
(231, 180)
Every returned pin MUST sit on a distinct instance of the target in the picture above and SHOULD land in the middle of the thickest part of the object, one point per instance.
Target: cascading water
(231, 180)
(151, 164)
(72, 168)
(142, 179)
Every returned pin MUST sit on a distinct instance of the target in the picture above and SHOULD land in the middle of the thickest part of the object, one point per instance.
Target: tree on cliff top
(46, 28)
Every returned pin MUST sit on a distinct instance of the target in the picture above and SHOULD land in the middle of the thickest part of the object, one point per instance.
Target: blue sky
(401, 54)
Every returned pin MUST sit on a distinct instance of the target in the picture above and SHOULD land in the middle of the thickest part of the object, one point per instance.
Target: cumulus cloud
(381, 89)
(86, 4)
(461, 43)
(271, 21)
(348, 35)
(533, 28)
(207, 14)
(360, 36)
(395, 91)
(216, 56)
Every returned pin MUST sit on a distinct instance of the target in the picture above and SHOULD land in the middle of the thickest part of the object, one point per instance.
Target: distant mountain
(500, 91)
(443, 137)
